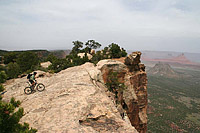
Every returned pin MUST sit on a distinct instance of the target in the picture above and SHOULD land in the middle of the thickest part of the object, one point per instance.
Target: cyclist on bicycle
(32, 79)
(29, 89)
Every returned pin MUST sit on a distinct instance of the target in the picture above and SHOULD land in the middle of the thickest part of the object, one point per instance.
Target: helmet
(35, 73)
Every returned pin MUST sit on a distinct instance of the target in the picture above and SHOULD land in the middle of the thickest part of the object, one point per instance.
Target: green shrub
(41, 69)
(59, 64)
(10, 117)
(77, 47)
(2, 68)
(1, 89)
(3, 76)
(115, 51)
(112, 81)
(13, 70)
(27, 60)
(123, 52)
(91, 44)
(97, 57)
(113, 84)
(10, 57)
(51, 58)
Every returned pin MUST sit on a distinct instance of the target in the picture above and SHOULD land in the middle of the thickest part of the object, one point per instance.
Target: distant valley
(174, 95)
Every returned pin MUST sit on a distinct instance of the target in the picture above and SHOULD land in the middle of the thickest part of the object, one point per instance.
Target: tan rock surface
(46, 64)
(73, 102)
(83, 54)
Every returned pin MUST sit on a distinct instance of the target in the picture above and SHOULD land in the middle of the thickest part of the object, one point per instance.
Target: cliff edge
(77, 99)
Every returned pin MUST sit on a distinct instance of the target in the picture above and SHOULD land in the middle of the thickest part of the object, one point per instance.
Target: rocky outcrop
(132, 98)
(83, 54)
(92, 51)
(163, 69)
(76, 99)
(45, 64)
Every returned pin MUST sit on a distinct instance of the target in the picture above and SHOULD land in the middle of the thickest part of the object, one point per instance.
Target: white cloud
(134, 24)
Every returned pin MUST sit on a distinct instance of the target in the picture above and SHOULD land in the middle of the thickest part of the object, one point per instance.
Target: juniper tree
(10, 115)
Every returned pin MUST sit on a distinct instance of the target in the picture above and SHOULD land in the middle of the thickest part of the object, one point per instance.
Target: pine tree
(10, 114)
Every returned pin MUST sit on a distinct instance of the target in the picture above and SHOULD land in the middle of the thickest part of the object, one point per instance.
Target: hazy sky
(167, 25)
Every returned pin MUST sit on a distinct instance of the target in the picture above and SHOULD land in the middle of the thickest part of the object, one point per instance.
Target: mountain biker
(32, 79)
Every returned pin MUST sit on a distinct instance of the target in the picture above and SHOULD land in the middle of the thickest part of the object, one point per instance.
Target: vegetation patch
(113, 84)
(194, 117)
(174, 103)
(10, 115)
(186, 101)
(24, 62)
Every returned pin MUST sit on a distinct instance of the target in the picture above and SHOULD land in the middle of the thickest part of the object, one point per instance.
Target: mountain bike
(30, 89)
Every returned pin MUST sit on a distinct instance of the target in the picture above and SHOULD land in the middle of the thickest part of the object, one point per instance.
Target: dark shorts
(31, 81)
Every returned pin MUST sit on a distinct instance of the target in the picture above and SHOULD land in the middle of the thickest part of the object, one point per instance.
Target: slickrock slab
(74, 101)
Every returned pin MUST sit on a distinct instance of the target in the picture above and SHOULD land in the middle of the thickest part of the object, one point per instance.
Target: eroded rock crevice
(130, 100)
(101, 123)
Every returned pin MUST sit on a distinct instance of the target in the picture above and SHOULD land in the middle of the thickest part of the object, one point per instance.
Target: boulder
(83, 54)
(133, 59)
(46, 64)
(92, 51)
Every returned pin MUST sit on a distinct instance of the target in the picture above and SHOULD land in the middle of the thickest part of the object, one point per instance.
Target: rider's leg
(32, 84)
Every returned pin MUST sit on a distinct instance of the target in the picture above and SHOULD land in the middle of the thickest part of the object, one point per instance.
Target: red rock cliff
(131, 99)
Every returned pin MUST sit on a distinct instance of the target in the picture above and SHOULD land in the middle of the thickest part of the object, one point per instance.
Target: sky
(158, 25)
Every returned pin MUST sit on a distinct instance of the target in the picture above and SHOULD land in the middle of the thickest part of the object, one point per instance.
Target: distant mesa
(162, 69)
(181, 59)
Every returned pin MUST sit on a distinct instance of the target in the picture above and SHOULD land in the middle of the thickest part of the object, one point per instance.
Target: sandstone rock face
(45, 64)
(133, 59)
(83, 54)
(73, 102)
(133, 98)
(76, 100)
(92, 51)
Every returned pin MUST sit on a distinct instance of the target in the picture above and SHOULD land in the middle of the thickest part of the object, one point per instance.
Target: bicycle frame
(29, 84)
(29, 89)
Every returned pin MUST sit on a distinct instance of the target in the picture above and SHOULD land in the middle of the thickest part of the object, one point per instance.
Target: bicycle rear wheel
(40, 87)
(27, 90)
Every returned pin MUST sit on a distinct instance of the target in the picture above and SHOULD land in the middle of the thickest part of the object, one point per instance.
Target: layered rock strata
(132, 98)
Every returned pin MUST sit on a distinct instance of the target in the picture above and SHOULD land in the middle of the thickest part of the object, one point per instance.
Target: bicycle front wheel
(40, 87)
(27, 90)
